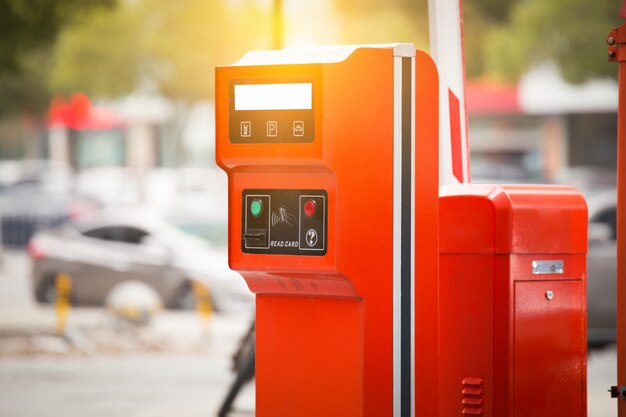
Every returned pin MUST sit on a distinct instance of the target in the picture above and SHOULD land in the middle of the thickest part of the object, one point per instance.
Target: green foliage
(26, 90)
(493, 11)
(100, 56)
(407, 21)
(411, 7)
(90, 46)
(503, 38)
(26, 25)
(196, 35)
(28, 28)
(571, 33)
(477, 26)
(366, 21)
(175, 44)
(389, 25)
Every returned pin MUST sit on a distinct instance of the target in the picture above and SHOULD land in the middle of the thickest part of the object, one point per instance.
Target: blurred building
(128, 134)
(542, 128)
(139, 150)
(140, 132)
(539, 129)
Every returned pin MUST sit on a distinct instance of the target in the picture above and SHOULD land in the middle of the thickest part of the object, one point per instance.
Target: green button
(256, 207)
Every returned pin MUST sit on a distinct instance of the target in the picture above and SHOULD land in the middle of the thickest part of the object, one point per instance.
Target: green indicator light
(256, 207)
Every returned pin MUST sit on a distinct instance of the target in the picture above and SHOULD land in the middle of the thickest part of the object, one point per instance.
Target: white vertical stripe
(413, 237)
(397, 229)
(445, 146)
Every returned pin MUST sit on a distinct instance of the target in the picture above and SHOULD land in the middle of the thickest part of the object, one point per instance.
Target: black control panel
(284, 222)
(271, 111)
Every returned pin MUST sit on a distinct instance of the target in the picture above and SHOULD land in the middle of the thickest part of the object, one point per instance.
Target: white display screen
(287, 96)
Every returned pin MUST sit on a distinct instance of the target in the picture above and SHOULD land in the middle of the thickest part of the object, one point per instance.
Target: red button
(310, 207)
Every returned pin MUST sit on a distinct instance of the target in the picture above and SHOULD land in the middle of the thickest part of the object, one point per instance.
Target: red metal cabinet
(549, 347)
(512, 301)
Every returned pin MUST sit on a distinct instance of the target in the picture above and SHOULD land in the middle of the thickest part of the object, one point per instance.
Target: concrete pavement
(146, 385)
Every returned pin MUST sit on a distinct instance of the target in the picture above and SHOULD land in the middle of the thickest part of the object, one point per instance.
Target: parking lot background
(174, 366)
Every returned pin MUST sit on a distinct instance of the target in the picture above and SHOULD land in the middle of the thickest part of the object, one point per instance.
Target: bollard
(63, 284)
(203, 303)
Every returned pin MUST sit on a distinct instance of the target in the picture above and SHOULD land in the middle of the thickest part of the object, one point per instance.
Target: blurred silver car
(35, 194)
(602, 267)
(103, 248)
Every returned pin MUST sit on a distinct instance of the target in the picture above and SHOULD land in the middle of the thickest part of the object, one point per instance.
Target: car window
(608, 217)
(117, 234)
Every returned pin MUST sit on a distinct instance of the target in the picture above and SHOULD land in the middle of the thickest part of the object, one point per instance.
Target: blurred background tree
(28, 29)
(503, 38)
(107, 48)
(570, 33)
(173, 45)
(365, 21)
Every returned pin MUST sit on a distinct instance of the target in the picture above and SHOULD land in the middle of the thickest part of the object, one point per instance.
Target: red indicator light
(310, 207)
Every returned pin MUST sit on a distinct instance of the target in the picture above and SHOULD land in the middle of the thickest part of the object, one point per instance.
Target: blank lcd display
(286, 96)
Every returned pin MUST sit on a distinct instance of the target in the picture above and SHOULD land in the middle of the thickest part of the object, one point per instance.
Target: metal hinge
(616, 41)
(618, 392)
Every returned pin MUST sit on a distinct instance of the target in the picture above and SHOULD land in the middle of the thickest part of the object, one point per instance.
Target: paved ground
(147, 385)
(601, 374)
(176, 366)
(173, 367)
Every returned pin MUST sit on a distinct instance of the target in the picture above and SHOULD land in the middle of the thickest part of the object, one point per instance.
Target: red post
(621, 239)
(617, 53)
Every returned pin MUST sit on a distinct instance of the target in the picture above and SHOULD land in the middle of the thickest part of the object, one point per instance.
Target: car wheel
(185, 298)
(47, 291)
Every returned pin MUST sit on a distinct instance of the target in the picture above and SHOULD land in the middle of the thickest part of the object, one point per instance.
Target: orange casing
(506, 349)
(324, 323)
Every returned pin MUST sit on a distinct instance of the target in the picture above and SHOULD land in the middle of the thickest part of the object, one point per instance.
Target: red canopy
(490, 97)
(78, 113)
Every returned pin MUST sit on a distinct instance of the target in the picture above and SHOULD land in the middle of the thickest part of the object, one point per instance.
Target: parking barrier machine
(513, 301)
(332, 162)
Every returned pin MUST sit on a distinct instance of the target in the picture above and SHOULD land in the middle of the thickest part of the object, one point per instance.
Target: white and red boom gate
(446, 48)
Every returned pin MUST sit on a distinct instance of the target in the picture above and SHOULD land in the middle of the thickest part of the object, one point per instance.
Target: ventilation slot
(472, 399)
